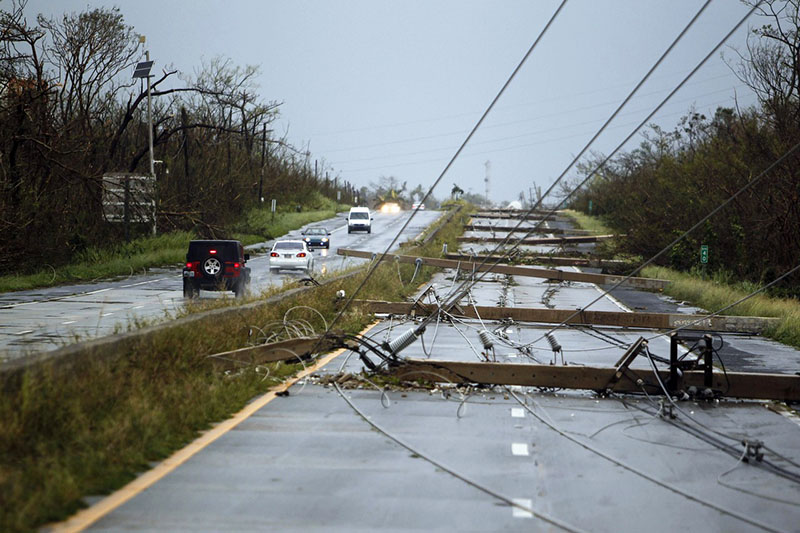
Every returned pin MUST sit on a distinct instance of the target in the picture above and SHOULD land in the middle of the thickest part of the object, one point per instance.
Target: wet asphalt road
(46, 319)
(476, 459)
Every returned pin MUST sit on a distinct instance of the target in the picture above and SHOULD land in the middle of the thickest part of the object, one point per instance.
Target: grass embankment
(716, 292)
(588, 223)
(169, 249)
(89, 430)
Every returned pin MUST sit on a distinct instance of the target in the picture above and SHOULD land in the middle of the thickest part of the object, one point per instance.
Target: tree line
(673, 179)
(70, 114)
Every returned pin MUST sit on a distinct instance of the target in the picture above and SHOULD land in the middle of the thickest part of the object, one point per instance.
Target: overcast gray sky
(380, 88)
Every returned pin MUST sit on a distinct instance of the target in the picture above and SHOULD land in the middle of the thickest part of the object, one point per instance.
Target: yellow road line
(87, 517)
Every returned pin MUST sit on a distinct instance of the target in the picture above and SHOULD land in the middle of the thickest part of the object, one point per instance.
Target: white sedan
(291, 254)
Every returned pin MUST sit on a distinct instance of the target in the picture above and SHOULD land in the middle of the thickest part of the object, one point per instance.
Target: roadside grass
(595, 225)
(168, 249)
(260, 220)
(89, 426)
(587, 222)
(714, 293)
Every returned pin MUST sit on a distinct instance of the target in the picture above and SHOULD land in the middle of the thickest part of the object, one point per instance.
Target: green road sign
(704, 254)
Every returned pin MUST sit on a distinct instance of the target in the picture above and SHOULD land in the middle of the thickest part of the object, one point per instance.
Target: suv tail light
(233, 268)
(193, 265)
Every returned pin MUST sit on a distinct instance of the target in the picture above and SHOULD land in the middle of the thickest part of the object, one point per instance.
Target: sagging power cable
(460, 293)
(480, 121)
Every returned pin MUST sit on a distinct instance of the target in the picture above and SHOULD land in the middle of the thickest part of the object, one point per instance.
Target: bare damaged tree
(771, 66)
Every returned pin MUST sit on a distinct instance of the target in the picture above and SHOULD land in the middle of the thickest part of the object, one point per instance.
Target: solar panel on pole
(142, 69)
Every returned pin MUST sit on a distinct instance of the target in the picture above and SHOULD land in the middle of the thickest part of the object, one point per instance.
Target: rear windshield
(288, 246)
(199, 250)
(359, 215)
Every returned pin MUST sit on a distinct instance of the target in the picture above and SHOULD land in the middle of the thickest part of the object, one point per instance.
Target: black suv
(215, 266)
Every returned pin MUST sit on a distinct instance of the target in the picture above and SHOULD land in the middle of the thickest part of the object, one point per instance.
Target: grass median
(90, 427)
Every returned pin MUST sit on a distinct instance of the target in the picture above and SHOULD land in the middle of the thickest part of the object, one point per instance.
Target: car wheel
(349, 230)
(369, 230)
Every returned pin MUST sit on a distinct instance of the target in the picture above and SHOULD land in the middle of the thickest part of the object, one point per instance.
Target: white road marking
(610, 298)
(97, 291)
(106, 314)
(137, 307)
(9, 306)
(142, 283)
(516, 412)
(519, 448)
(68, 322)
(522, 513)
(25, 332)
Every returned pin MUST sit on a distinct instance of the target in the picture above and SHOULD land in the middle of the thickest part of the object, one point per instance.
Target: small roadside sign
(704, 254)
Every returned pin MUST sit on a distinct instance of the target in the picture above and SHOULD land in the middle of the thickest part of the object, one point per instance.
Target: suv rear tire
(189, 289)
(239, 288)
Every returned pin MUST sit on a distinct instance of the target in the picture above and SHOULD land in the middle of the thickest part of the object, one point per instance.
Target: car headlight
(324, 239)
(306, 239)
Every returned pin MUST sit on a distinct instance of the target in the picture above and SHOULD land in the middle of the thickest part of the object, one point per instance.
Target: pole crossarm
(525, 229)
(576, 239)
(755, 386)
(601, 279)
(663, 321)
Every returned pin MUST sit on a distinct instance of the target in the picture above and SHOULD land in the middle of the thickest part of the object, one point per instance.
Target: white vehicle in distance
(390, 207)
(291, 255)
(359, 219)
(419, 206)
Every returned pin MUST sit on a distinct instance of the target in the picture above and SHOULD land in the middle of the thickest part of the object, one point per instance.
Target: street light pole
(150, 141)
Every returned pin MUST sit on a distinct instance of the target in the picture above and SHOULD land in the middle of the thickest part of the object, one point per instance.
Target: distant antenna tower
(488, 166)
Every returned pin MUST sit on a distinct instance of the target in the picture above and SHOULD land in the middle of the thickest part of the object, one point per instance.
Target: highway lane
(307, 461)
(46, 319)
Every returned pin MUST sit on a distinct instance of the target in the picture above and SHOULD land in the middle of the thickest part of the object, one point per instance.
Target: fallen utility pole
(580, 239)
(290, 350)
(729, 324)
(546, 260)
(516, 211)
(756, 386)
(526, 229)
(484, 214)
(560, 275)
